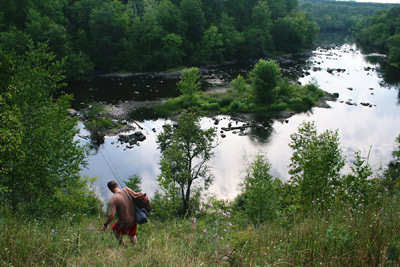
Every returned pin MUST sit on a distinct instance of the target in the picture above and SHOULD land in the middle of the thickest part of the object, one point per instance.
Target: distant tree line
(340, 16)
(382, 33)
(145, 35)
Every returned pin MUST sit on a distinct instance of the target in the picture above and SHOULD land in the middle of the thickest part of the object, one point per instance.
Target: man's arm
(130, 191)
(109, 219)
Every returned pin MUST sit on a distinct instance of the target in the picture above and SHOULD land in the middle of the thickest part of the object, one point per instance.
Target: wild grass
(339, 236)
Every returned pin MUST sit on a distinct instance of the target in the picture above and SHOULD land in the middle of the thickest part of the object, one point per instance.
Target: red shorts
(130, 231)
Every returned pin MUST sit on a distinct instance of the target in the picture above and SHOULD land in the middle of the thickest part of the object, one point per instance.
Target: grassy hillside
(344, 236)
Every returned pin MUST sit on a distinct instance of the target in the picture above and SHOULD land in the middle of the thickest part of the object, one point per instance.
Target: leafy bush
(315, 164)
(44, 179)
(168, 108)
(264, 78)
(189, 84)
(239, 84)
(99, 124)
(259, 191)
(95, 110)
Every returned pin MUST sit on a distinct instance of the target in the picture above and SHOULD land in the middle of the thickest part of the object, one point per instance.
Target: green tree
(148, 42)
(264, 78)
(109, 24)
(212, 46)
(168, 17)
(171, 52)
(43, 163)
(391, 176)
(192, 15)
(315, 164)
(10, 126)
(239, 84)
(42, 28)
(356, 186)
(185, 153)
(260, 191)
(294, 32)
(189, 83)
(230, 36)
(134, 182)
(14, 40)
(393, 44)
(258, 34)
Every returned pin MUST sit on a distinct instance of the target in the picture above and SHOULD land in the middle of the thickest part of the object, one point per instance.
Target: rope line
(112, 169)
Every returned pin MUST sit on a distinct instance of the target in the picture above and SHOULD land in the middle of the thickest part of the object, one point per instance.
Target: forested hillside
(382, 33)
(340, 16)
(144, 35)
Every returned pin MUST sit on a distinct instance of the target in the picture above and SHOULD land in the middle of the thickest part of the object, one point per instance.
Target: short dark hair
(111, 185)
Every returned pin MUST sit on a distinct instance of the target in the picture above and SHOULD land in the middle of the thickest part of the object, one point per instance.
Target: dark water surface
(360, 80)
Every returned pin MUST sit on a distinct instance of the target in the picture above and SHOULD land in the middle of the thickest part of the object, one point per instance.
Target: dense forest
(382, 33)
(340, 16)
(145, 35)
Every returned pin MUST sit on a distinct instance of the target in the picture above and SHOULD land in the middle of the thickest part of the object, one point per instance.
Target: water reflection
(371, 129)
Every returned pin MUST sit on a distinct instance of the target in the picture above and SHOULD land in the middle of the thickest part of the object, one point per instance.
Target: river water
(356, 77)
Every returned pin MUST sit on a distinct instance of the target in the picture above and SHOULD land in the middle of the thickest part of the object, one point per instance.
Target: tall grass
(340, 236)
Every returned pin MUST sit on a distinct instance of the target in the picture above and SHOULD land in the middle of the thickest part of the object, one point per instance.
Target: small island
(263, 94)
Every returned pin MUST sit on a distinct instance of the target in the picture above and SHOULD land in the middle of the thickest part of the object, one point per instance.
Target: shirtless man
(121, 205)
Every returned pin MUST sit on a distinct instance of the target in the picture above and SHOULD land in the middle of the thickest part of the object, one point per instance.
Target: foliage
(340, 16)
(185, 153)
(342, 236)
(391, 176)
(294, 32)
(143, 35)
(134, 182)
(393, 44)
(264, 78)
(260, 191)
(241, 98)
(189, 84)
(381, 33)
(356, 186)
(219, 233)
(315, 163)
(239, 84)
(43, 161)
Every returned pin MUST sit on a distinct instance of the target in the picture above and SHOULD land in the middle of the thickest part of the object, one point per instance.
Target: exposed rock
(236, 127)
(72, 112)
(351, 103)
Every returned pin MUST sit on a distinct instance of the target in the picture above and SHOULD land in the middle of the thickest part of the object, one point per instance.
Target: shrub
(239, 84)
(259, 191)
(264, 78)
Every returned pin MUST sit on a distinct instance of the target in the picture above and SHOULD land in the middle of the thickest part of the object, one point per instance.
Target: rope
(112, 169)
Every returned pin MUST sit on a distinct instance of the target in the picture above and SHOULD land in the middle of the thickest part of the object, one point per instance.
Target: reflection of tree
(261, 131)
(389, 73)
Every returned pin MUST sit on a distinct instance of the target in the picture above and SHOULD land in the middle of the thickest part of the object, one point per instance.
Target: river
(361, 79)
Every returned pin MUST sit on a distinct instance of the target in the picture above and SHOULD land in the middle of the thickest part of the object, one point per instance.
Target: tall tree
(315, 164)
(258, 34)
(109, 24)
(185, 152)
(260, 191)
(294, 32)
(43, 160)
(263, 78)
(193, 16)
(189, 83)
